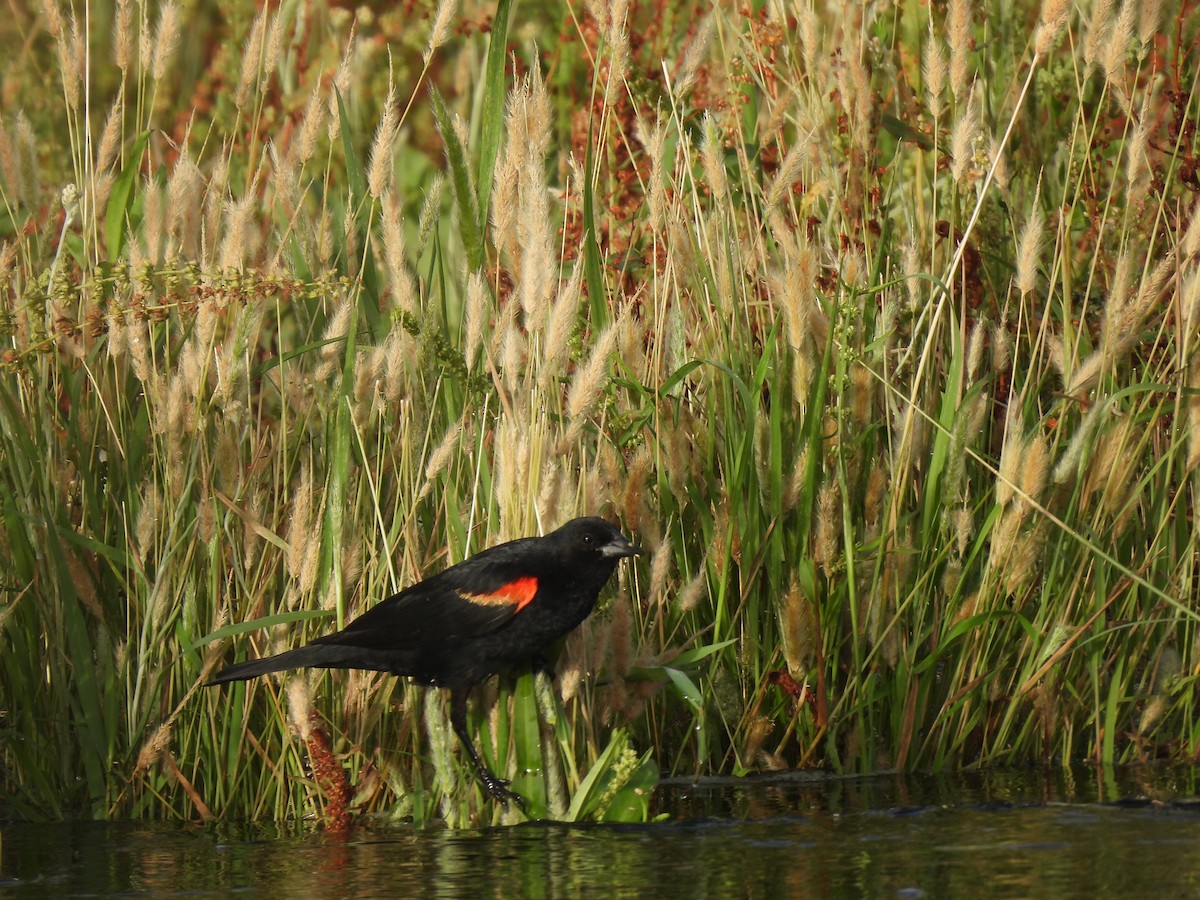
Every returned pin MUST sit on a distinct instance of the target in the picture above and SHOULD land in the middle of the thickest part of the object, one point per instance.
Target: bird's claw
(498, 789)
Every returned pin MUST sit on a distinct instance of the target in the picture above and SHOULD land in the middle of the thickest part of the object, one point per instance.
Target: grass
(877, 327)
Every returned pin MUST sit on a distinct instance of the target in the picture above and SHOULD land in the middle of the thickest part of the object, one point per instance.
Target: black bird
(501, 609)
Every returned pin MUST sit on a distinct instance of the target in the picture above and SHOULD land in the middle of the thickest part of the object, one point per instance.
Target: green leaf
(300, 615)
(905, 132)
(494, 93)
(460, 180)
(120, 200)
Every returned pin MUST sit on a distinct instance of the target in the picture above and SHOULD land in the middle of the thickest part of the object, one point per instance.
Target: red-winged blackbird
(499, 610)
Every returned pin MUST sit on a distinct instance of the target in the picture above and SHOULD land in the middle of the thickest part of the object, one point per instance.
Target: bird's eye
(589, 539)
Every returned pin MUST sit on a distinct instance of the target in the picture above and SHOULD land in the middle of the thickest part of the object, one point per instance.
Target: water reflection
(1006, 834)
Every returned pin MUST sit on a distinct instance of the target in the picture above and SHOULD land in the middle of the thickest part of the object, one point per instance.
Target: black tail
(314, 656)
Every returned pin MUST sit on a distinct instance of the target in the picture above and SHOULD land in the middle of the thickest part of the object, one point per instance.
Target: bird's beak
(620, 547)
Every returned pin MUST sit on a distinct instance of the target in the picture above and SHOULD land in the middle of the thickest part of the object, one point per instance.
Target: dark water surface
(1074, 833)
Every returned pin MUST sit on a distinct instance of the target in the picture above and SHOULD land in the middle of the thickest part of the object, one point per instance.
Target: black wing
(474, 598)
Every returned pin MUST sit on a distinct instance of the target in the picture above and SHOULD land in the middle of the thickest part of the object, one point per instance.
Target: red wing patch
(520, 591)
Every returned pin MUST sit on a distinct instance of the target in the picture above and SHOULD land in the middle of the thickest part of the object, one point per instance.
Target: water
(1062, 833)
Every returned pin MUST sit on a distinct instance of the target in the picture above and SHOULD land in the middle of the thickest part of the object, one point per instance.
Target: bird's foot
(498, 789)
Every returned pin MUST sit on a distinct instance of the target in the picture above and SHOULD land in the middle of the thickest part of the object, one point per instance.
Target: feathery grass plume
(305, 143)
(862, 108)
(873, 498)
(1110, 469)
(618, 51)
(693, 57)
(975, 347)
(958, 32)
(404, 286)
(807, 25)
(300, 706)
(513, 357)
(431, 209)
(440, 458)
(534, 223)
(588, 384)
(633, 497)
(1068, 464)
(185, 192)
(1051, 22)
(300, 531)
(153, 749)
(1189, 247)
(273, 49)
(215, 196)
(1098, 29)
(620, 642)
(70, 48)
(1112, 57)
(963, 525)
(110, 135)
(798, 628)
(233, 360)
(439, 748)
(474, 317)
(146, 525)
(11, 170)
(827, 538)
(692, 592)
(911, 265)
(166, 39)
(251, 522)
(504, 204)
(333, 338)
(439, 33)
(1137, 159)
(1029, 247)
(962, 138)
(1010, 465)
(1035, 467)
(251, 57)
(341, 85)
(379, 168)
(154, 221)
(1148, 22)
(653, 139)
(54, 23)
(712, 158)
(789, 172)
(564, 314)
(660, 571)
(240, 244)
(863, 391)
(934, 69)
(1119, 324)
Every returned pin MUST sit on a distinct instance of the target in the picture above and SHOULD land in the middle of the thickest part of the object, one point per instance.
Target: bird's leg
(497, 788)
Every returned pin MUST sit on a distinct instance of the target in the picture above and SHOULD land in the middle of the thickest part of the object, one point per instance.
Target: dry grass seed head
(958, 29)
(1029, 248)
(439, 33)
(827, 540)
(251, 57)
(933, 71)
(379, 165)
(1051, 22)
(166, 39)
(798, 628)
(404, 286)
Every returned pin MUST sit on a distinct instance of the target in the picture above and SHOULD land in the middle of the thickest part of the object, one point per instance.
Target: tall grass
(877, 328)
